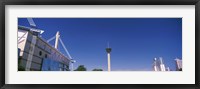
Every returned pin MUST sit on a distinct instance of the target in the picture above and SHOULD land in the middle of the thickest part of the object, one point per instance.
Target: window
(45, 55)
(40, 53)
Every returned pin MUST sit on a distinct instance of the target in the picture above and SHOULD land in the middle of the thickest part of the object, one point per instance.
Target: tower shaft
(109, 66)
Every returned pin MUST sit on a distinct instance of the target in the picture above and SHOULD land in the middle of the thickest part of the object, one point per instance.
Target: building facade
(38, 55)
(178, 64)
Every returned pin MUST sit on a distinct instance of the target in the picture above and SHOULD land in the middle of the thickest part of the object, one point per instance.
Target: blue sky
(135, 42)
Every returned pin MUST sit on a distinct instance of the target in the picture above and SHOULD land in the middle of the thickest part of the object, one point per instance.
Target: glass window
(40, 53)
(50, 65)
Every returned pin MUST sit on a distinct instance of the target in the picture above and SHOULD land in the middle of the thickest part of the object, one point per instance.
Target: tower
(158, 65)
(155, 67)
(108, 50)
(162, 66)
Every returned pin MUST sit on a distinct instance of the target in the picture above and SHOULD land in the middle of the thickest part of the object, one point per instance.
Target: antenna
(108, 44)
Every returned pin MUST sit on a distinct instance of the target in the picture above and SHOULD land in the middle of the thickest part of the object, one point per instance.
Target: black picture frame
(99, 2)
